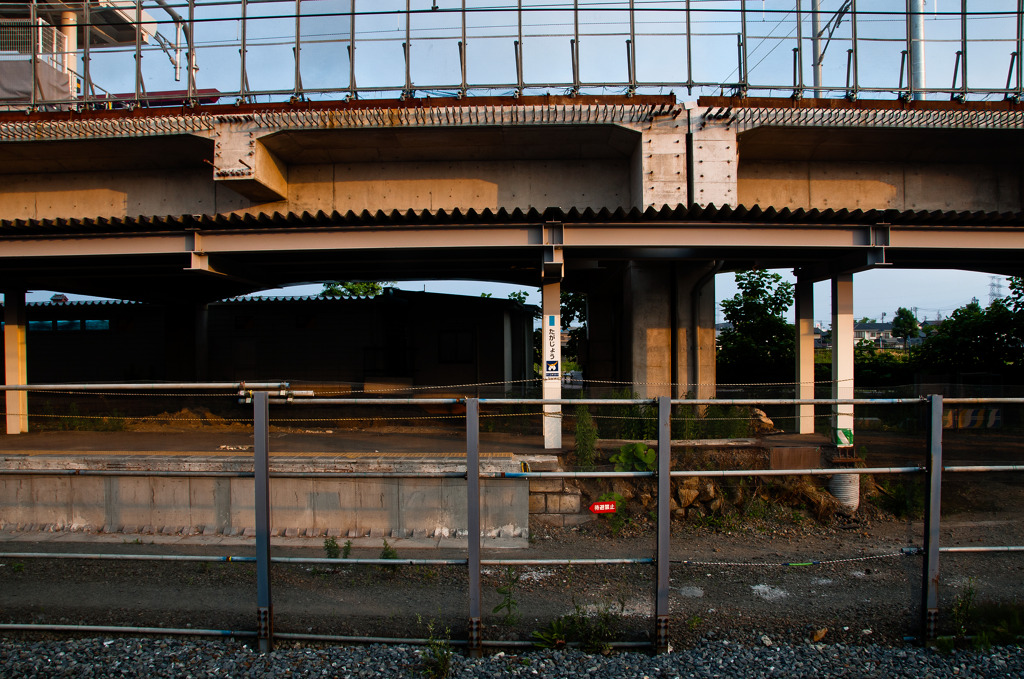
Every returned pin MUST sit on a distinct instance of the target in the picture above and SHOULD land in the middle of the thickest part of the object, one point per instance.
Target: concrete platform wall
(402, 507)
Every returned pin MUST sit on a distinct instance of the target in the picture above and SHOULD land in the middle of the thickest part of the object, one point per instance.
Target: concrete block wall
(398, 507)
(557, 502)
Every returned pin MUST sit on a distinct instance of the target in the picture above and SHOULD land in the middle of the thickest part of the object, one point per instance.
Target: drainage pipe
(185, 631)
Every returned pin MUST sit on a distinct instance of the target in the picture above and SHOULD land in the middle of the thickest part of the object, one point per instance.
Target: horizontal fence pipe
(368, 400)
(368, 562)
(564, 562)
(963, 550)
(564, 475)
(149, 386)
(800, 472)
(987, 468)
(691, 443)
(367, 475)
(1005, 548)
(121, 472)
(973, 401)
(107, 629)
(705, 401)
(243, 475)
(127, 557)
(230, 559)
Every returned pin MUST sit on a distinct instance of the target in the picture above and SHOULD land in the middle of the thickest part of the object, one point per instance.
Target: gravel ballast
(121, 657)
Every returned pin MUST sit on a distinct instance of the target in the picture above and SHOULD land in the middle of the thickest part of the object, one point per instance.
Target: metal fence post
(261, 485)
(930, 573)
(664, 521)
(473, 521)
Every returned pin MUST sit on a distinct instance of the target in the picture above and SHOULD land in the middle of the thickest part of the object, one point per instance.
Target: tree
(905, 325)
(760, 345)
(977, 339)
(354, 288)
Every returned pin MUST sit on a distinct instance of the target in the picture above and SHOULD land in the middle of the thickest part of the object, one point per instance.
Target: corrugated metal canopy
(696, 214)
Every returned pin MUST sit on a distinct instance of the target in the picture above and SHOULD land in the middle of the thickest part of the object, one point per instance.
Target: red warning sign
(607, 507)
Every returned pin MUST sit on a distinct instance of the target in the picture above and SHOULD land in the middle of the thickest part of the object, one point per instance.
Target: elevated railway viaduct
(637, 201)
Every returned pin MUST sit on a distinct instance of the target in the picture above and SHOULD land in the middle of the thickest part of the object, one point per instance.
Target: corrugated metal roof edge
(681, 213)
(252, 299)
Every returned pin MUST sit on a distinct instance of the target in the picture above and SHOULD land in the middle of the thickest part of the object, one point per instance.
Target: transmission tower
(995, 288)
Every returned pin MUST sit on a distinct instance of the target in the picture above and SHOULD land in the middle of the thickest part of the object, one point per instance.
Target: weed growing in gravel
(963, 608)
(903, 498)
(17, 567)
(331, 549)
(346, 550)
(552, 636)
(693, 622)
(437, 657)
(618, 520)
(508, 604)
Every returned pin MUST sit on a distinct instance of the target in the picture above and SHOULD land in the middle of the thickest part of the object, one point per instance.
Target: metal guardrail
(261, 399)
(192, 51)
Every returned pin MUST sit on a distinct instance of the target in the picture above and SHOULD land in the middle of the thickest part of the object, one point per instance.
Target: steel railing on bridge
(194, 51)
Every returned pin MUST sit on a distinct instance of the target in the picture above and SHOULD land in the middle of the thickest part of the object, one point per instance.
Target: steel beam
(930, 567)
(261, 489)
(664, 522)
(473, 523)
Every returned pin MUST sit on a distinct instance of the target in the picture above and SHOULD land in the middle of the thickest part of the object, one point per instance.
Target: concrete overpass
(550, 191)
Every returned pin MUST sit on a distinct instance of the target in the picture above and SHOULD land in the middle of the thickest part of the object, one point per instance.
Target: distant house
(879, 334)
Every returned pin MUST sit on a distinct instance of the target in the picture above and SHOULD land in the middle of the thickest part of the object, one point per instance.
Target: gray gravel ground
(186, 658)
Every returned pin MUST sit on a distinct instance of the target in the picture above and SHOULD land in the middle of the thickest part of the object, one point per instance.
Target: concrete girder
(242, 162)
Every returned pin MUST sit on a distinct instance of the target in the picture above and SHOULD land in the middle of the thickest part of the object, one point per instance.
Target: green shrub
(635, 457)
(586, 439)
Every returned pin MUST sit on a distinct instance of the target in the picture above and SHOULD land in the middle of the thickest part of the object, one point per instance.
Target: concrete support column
(648, 300)
(842, 356)
(551, 357)
(694, 329)
(69, 27)
(15, 360)
(805, 354)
